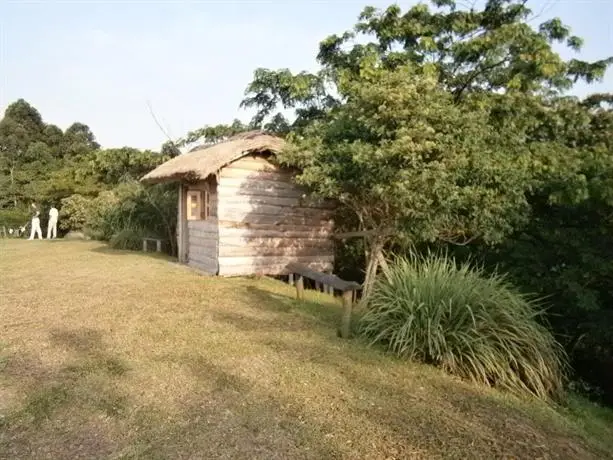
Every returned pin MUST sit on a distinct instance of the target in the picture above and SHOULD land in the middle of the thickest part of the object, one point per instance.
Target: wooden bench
(158, 244)
(330, 283)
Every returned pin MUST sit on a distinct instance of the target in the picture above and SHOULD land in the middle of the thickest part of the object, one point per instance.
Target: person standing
(36, 227)
(52, 225)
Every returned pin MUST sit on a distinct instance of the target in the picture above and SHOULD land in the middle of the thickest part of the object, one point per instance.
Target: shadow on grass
(421, 407)
(106, 250)
(327, 314)
(84, 385)
(229, 416)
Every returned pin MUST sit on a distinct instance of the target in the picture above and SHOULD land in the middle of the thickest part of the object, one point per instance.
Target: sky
(109, 63)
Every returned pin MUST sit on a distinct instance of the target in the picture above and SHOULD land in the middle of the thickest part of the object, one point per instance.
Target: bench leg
(158, 245)
(346, 319)
(144, 245)
(300, 288)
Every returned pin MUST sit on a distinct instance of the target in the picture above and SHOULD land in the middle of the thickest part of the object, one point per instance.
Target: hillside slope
(125, 355)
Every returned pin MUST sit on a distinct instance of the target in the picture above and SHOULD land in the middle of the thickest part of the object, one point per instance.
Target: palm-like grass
(469, 323)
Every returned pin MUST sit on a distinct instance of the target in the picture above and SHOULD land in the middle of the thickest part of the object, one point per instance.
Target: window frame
(202, 209)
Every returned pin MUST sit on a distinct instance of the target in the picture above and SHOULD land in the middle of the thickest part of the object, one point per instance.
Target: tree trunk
(13, 187)
(374, 255)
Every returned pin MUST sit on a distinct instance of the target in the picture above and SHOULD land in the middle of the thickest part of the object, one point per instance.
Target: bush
(470, 324)
(14, 217)
(128, 238)
(124, 214)
(74, 212)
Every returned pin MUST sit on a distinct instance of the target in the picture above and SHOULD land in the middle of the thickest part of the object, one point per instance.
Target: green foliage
(128, 238)
(209, 135)
(13, 218)
(471, 51)
(75, 212)
(407, 159)
(112, 166)
(470, 324)
(94, 188)
(124, 214)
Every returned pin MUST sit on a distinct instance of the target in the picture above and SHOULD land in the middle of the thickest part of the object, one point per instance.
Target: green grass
(121, 355)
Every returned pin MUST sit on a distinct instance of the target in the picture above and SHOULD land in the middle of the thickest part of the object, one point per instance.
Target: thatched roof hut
(242, 214)
(205, 160)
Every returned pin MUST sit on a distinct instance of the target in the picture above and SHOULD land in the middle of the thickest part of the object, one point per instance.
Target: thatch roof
(204, 161)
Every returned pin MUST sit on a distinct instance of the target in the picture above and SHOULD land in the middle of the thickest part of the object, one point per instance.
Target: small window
(198, 205)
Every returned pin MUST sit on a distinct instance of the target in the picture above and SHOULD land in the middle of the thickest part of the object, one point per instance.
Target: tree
(412, 164)
(79, 139)
(209, 135)
(170, 150)
(27, 117)
(112, 166)
(452, 155)
(493, 50)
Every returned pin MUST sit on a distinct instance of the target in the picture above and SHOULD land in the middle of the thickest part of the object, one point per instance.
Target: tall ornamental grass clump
(469, 323)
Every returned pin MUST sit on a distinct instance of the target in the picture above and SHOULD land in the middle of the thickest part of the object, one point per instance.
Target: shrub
(128, 238)
(124, 214)
(14, 217)
(471, 324)
(74, 212)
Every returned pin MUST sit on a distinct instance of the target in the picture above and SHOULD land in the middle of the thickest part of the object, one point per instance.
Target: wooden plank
(182, 229)
(256, 184)
(208, 246)
(238, 172)
(255, 200)
(328, 227)
(234, 230)
(209, 225)
(255, 163)
(250, 251)
(245, 207)
(232, 200)
(272, 260)
(281, 269)
(267, 219)
(329, 279)
(208, 266)
(276, 242)
(256, 188)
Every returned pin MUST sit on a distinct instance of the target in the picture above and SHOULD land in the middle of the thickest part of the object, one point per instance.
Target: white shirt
(53, 213)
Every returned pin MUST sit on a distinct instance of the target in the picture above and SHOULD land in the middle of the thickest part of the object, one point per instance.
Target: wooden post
(346, 320)
(144, 245)
(300, 288)
(182, 228)
(158, 245)
(290, 279)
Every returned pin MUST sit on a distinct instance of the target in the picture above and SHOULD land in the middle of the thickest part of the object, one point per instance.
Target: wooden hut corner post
(330, 282)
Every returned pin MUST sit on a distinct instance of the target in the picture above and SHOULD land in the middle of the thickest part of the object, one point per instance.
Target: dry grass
(116, 355)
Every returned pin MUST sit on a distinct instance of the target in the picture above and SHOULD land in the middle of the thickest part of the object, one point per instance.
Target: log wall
(203, 235)
(265, 222)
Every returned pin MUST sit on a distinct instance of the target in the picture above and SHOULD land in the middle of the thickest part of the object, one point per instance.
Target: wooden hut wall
(265, 223)
(203, 235)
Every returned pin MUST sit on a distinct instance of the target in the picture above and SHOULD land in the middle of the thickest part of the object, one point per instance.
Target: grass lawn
(107, 354)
